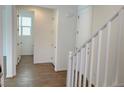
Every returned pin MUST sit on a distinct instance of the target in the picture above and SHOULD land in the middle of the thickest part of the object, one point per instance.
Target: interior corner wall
(65, 35)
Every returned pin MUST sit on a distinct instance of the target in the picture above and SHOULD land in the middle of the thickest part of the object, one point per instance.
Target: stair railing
(80, 71)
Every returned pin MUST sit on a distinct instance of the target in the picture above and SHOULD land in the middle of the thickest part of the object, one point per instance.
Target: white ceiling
(55, 6)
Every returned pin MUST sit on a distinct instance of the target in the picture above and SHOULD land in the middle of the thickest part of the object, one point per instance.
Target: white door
(83, 25)
(26, 33)
(44, 37)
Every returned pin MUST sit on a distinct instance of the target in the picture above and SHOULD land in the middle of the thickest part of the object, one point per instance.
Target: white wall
(102, 13)
(4, 33)
(91, 19)
(65, 35)
(9, 28)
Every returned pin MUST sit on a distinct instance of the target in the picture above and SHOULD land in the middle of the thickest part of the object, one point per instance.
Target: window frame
(21, 26)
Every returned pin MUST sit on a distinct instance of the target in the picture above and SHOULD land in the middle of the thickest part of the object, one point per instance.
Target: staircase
(96, 63)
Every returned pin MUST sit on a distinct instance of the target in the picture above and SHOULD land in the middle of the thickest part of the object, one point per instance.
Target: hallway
(38, 75)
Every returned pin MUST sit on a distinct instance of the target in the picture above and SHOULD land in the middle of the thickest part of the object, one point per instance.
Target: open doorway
(25, 33)
(36, 33)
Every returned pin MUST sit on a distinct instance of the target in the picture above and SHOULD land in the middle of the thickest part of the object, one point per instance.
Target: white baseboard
(39, 62)
(9, 76)
(60, 69)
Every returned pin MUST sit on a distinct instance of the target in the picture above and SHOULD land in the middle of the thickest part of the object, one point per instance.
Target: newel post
(69, 70)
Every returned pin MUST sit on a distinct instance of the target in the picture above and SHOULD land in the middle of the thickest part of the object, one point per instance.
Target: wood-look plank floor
(36, 75)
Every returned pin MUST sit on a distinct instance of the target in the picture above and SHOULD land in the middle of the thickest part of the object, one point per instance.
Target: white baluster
(107, 53)
(92, 62)
(83, 63)
(81, 68)
(72, 72)
(76, 69)
(86, 65)
(98, 58)
(69, 71)
(73, 69)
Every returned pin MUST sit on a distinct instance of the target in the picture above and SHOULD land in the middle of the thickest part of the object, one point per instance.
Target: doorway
(25, 34)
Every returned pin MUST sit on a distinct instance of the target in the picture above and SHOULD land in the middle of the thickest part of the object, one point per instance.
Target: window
(26, 31)
(19, 21)
(26, 21)
(19, 30)
(25, 26)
